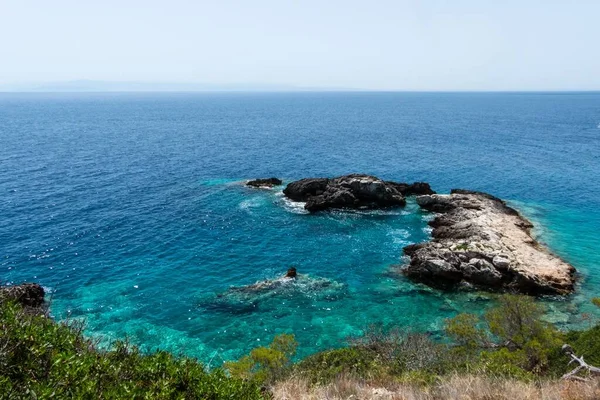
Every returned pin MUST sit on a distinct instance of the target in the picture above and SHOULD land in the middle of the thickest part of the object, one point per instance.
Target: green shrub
(465, 331)
(514, 337)
(587, 344)
(504, 363)
(517, 320)
(402, 350)
(324, 367)
(43, 359)
(265, 364)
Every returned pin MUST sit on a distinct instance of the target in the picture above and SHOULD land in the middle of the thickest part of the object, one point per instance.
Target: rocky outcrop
(29, 295)
(412, 189)
(354, 191)
(479, 240)
(264, 183)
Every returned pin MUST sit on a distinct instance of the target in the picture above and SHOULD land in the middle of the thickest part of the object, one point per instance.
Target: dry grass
(458, 387)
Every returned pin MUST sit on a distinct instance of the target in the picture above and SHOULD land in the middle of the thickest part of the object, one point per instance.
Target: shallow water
(128, 207)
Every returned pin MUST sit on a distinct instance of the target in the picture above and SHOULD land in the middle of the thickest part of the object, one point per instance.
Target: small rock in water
(355, 191)
(265, 182)
(291, 273)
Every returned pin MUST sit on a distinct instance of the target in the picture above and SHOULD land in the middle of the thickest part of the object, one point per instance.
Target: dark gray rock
(29, 295)
(303, 189)
(354, 191)
(266, 182)
(412, 189)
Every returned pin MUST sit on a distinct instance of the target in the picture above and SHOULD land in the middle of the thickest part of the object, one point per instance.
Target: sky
(426, 45)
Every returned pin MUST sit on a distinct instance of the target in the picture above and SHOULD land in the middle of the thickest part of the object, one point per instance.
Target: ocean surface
(128, 208)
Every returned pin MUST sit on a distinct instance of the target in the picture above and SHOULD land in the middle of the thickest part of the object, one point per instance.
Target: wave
(251, 203)
(220, 182)
(294, 207)
(399, 236)
(379, 212)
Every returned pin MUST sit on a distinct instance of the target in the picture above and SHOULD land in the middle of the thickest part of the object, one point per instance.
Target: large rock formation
(352, 191)
(480, 240)
(29, 295)
(264, 182)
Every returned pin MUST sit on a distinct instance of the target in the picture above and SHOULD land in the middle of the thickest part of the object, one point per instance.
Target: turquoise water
(128, 208)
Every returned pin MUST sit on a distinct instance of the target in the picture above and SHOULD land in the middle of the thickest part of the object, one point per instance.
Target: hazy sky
(389, 45)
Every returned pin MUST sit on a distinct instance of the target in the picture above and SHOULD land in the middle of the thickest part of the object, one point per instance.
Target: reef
(478, 240)
(291, 286)
(355, 191)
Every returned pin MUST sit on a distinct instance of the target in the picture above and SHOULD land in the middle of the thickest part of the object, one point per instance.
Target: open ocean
(128, 209)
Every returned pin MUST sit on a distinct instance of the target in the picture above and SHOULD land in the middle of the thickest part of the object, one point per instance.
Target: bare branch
(591, 370)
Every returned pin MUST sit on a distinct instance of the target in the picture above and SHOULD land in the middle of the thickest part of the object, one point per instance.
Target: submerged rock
(479, 240)
(264, 183)
(354, 191)
(292, 286)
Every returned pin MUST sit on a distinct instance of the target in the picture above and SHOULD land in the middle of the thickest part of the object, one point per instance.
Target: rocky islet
(477, 239)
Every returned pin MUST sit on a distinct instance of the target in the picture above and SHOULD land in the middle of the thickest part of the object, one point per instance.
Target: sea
(130, 208)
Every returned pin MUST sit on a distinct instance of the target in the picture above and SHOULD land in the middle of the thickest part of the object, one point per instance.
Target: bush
(465, 331)
(265, 364)
(326, 366)
(516, 333)
(43, 359)
(402, 351)
(504, 363)
(587, 344)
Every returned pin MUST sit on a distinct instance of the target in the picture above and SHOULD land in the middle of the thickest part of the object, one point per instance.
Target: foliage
(504, 363)
(519, 341)
(401, 355)
(40, 358)
(402, 351)
(43, 359)
(325, 366)
(265, 364)
(586, 343)
(465, 331)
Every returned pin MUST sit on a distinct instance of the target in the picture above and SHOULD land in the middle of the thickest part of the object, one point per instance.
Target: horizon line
(311, 90)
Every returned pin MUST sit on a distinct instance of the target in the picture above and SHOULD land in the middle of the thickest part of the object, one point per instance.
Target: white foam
(390, 212)
(48, 289)
(251, 203)
(399, 236)
(295, 207)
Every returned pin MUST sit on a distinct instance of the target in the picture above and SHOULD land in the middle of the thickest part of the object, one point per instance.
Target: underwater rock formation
(292, 286)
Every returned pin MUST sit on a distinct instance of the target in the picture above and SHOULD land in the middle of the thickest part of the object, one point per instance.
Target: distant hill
(116, 86)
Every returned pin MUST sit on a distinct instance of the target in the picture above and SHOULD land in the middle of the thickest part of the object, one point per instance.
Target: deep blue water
(128, 207)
